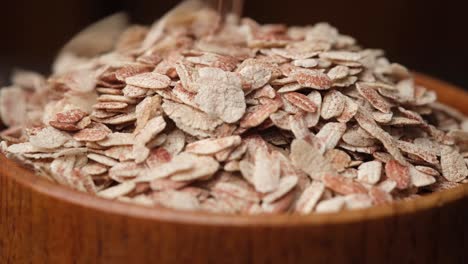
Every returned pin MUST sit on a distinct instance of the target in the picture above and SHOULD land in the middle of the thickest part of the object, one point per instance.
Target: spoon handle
(226, 7)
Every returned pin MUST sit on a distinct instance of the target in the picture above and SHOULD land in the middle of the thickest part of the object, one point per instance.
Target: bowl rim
(47, 188)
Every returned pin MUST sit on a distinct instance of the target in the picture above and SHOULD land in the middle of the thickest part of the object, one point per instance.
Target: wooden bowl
(41, 222)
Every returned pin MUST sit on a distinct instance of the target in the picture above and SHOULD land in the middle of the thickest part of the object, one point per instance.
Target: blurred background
(427, 36)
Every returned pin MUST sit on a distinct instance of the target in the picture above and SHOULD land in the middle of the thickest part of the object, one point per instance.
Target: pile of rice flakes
(197, 113)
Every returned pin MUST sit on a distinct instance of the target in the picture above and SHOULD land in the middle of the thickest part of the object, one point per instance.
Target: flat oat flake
(374, 98)
(358, 137)
(332, 205)
(120, 119)
(285, 185)
(380, 196)
(343, 185)
(312, 78)
(372, 128)
(349, 111)
(266, 172)
(454, 168)
(188, 116)
(298, 126)
(205, 167)
(121, 153)
(220, 94)
(49, 138)
(152, 128)
(424, 153)
(13, 106)
(94, 169)
(91, 135)
(338, 72)
(310, 197)
(340, 56)
(150, 80)
(104, 160)
(131, 91)
(310, 160)
(370, 172)
(333, 104)
(211, 146)
(124, 171)
(306, 63)
(330, 135)
(358, 201)
(339, 159)
(239, 189)
(117, 139)
(257, 115)
(301, 101)
(117, 190)
(399, 173)
(256, 75)
(175, 142)
(71, 116)
(177, 164)
(123, 73)
(419, 178)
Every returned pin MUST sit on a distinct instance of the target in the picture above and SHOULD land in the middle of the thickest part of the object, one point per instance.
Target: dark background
(427, 36)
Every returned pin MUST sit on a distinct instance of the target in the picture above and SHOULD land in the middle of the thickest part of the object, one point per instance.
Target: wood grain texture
(41, 222)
